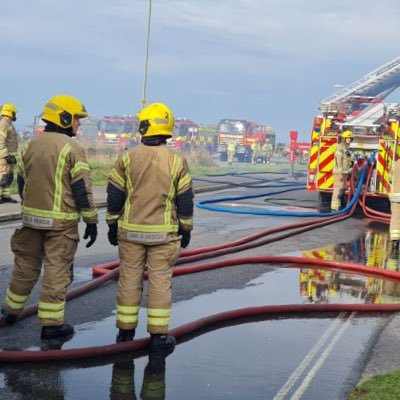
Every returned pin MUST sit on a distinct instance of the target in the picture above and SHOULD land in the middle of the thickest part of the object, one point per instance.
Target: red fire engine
(118, 131)
(188, 135)
(359, 108)
(372, 249)
(38, 125)
(244, 133)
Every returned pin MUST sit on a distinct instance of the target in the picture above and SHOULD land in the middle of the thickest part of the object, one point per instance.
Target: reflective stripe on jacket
(50, 165)
(151, 177)
(232, 147)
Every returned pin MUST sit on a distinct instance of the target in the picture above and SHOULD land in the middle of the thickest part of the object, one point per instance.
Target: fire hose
(181, 331)
(190, 256)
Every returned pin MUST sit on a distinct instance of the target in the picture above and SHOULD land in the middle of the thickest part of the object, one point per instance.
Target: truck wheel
(324, 205)
(223, 156)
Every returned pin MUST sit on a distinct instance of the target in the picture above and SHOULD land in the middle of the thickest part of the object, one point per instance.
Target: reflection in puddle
(239, 361)
(372, 249)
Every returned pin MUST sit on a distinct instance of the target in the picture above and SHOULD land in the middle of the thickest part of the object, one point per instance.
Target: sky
(271, 61)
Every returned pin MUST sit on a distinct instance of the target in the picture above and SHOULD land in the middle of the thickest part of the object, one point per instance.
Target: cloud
(226, 56)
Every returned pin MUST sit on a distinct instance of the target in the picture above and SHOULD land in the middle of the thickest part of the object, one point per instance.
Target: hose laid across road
(188, 256)
(194, 255)
(191, 327)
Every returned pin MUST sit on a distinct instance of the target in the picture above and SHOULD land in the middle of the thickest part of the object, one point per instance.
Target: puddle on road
(279, 286)
(238, 361)
(372, 248)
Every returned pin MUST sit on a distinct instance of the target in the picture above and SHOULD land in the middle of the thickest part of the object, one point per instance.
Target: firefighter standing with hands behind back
(341, 169)
(149, 213)
(55, 187)
(8, 151)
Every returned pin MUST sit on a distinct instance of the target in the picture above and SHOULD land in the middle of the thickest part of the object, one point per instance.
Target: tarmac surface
(385, 356)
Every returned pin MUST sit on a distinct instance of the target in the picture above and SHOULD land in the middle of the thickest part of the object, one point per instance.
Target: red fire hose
(179, 332)
(110, 271)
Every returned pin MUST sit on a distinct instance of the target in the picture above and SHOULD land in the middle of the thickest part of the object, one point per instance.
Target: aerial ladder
(360, 108)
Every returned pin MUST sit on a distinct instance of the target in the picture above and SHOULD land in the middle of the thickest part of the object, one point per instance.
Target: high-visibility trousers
(158, 259)
(230, 156)
(339, 185)
(6, 178)
(55, 250)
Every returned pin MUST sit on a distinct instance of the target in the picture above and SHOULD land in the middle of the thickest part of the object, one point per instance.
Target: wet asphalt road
(311, 357)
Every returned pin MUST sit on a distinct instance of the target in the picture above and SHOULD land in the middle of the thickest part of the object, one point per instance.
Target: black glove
(113, 234)
(90, 231)
(185, 238)
(11, 160)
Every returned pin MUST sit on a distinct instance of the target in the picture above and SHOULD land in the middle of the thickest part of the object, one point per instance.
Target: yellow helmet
(347, 134)
(61, 110)
(155, 120)
(8, 110)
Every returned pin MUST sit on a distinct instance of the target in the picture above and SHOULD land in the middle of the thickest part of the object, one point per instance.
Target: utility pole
(146, 57)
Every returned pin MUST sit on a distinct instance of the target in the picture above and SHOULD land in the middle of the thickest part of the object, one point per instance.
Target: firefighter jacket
(255, 147)
(8, 138)
(54, 183)
(150, 195)
(232, 146)
(267, 148)
(343, 160)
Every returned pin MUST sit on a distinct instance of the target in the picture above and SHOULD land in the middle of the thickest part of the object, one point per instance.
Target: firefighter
(231, 149)
(55, 187)
(8, 151)
(394, 197)
(266, 151)
(255, 151)
(341, 169)
(149, 213)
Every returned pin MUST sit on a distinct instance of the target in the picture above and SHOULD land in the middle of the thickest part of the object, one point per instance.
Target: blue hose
(202, 204)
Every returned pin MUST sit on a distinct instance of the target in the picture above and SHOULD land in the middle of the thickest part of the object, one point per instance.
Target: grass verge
(380, 387)
(102, 158)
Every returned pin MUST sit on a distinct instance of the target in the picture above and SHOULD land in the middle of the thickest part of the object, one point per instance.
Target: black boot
(53, 332)
(125, 335)
(395, 249)
(8, 200)
(9, 318)
(161, 342)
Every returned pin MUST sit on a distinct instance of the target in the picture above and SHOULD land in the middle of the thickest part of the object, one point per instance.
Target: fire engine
(371, 249)
(120, 131)
(244, 133)
(359, 108)
(38, 125)
(188, 135)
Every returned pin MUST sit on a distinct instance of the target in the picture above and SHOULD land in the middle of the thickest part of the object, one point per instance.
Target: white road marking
(308, 358)
(309, 377)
